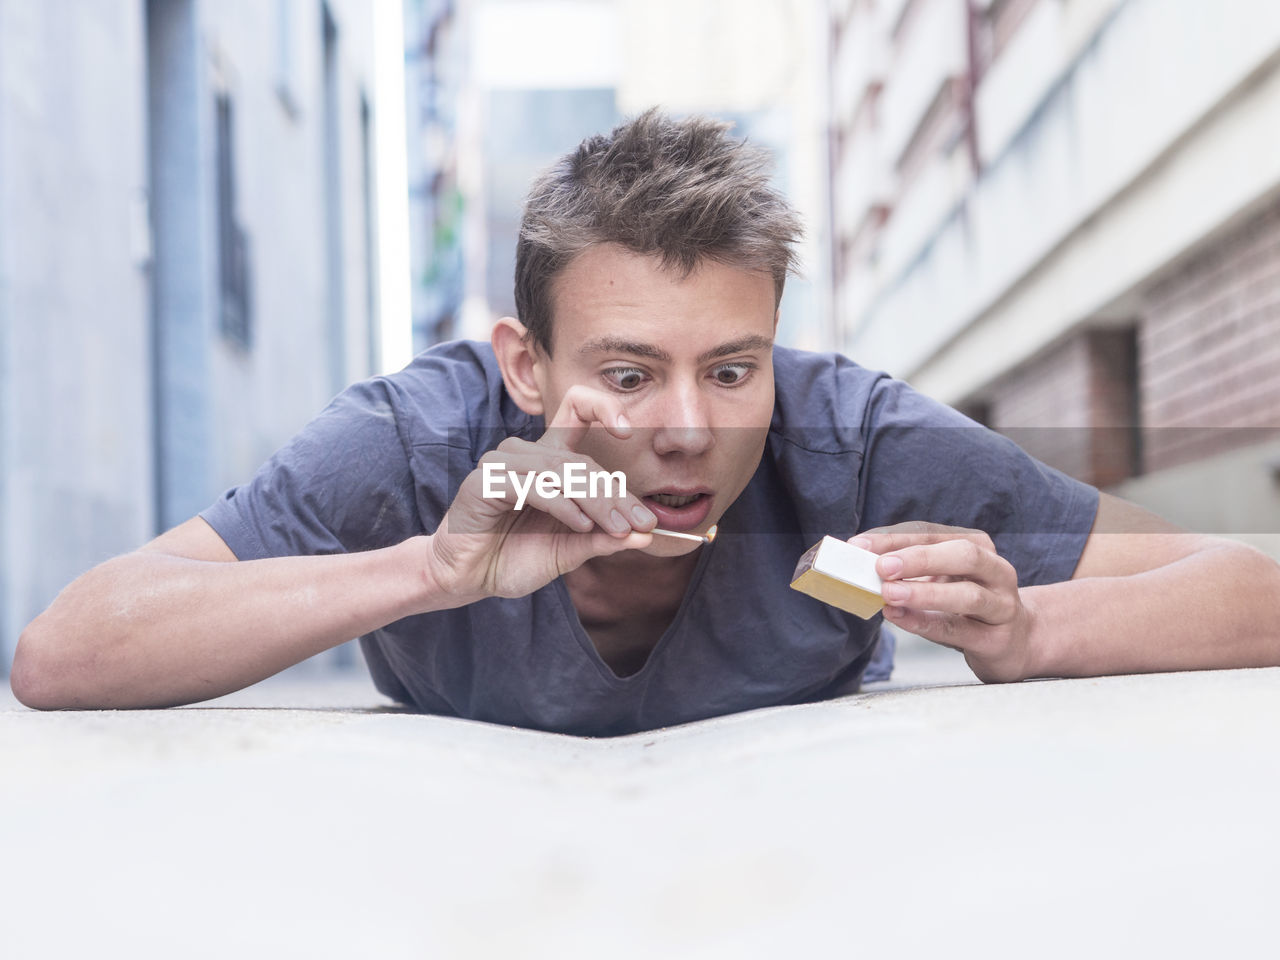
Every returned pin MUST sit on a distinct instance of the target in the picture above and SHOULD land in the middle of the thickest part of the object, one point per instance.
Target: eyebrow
(650, 352)
(619, 345)
(742, 345)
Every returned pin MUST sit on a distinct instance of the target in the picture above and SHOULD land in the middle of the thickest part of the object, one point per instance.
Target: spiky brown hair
(682, 190)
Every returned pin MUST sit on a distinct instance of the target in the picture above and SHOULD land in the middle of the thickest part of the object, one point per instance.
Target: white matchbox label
(846, 562)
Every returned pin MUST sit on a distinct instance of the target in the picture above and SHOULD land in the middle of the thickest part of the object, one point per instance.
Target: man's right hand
(484, 547)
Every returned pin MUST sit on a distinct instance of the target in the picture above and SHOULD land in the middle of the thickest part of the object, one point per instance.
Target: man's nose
(684, 426)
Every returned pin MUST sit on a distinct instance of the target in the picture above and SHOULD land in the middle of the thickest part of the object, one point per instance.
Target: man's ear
(518, 359)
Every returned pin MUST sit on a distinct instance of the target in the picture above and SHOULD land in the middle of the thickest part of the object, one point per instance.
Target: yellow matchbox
(842, 575)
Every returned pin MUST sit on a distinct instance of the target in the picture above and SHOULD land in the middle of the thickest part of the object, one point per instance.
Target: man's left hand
(948, 585)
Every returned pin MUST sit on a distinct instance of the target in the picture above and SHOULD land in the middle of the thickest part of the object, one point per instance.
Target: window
(287, 82)
(235, 319)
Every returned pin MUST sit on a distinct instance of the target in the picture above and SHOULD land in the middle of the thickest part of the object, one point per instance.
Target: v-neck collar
(589, 648)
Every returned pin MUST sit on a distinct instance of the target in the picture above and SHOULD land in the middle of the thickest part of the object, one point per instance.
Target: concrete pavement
(1130, 816)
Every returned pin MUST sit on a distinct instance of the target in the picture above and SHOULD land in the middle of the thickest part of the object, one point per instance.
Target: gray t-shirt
(848, 449)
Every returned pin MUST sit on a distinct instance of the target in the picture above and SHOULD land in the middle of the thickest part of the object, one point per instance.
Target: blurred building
(761, 64)
(1063, 216)
(548, 73)
(540, 78)
(526, 131)
(186, 261)
(435, 74)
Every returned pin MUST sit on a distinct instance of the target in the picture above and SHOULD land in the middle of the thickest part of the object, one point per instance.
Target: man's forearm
(1217, 608)
(148, 629)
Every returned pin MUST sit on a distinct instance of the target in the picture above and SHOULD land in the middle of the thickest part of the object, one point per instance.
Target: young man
(649, 269)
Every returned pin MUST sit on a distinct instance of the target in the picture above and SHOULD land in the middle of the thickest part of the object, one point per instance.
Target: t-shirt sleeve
(343, 484)
(925, 461)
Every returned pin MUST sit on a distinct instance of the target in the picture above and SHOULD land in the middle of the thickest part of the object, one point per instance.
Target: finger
(500, 491)
(617, 514)
(962, 597)
(945, 629)
(566, 511)
(579, 549)
(605, 545)
(885, 539)
(580, 408)
(951, 559)
(913, 526)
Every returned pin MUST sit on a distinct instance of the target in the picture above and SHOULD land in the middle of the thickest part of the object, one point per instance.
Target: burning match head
(711, 534)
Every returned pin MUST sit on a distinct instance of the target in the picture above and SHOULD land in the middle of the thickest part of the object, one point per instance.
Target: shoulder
(822, 401)
(824, 389)
(817, 442)
(451, 393)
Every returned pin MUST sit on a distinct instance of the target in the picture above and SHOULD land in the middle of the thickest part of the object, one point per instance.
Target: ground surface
(1132, 816)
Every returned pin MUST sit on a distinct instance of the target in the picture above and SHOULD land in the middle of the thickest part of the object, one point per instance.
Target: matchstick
(695, 537)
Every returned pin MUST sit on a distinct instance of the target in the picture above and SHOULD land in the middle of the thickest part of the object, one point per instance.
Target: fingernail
(862, 542)
(618, 522)
(890, 566)
(895, 591)
(642, 515)
(623, 423)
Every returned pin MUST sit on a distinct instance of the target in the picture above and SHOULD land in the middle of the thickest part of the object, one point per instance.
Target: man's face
(690, 359)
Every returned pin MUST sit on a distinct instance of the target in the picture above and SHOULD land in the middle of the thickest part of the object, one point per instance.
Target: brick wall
(1209, 347)
(1073, 406)
(1201, 369)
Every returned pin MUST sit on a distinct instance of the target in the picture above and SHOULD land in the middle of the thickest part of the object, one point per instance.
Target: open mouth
(672, 500)
(679, 511)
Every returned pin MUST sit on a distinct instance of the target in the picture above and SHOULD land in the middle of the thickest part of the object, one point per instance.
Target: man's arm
(180, 620)
(1146, 596)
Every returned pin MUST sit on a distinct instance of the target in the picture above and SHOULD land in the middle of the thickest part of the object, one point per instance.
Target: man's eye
(625, 378)
(732, 373)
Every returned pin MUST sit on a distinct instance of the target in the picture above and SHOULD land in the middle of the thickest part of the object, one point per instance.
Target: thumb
(583, 547)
